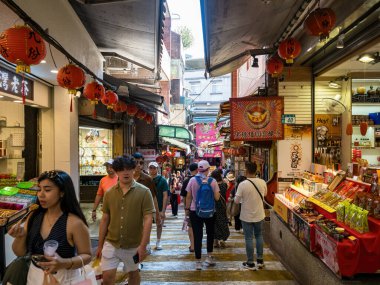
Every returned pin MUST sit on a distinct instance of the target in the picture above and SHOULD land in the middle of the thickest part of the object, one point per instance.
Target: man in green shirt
(162, 188)
(126, 223)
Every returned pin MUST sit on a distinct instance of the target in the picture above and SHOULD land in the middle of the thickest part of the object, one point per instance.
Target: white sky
(189, 12)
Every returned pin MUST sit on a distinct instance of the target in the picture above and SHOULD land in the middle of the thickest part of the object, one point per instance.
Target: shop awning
(137, 94)
(132, 30)
(174, 132)
(178, 143)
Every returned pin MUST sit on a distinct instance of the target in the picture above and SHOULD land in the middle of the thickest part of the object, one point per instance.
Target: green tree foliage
(186, 35)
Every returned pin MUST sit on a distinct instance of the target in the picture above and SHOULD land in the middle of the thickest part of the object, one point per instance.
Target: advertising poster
(294, 152)
(257, 118)
(206, 133)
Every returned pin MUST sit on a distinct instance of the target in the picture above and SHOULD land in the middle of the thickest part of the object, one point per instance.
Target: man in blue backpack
(202, 191)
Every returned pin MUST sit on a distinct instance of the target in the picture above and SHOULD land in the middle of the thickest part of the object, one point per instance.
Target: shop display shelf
(302, 191)
(321, 205)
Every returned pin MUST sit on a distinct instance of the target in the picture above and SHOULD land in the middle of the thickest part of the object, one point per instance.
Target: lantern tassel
(23, 88)
(71, 103)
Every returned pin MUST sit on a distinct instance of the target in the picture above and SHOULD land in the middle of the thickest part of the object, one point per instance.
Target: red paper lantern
(320, 22)
(274, 66)
(132, 109)
(241, 151)
(148, 118)
(159, 159)
(289, 49)
(23, 47)
(71, 77)
(120, 107)
(140, 114)
(93, 91)
(109, 99)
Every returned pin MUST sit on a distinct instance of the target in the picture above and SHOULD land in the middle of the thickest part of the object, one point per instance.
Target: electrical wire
(49, 39)
(194, 99)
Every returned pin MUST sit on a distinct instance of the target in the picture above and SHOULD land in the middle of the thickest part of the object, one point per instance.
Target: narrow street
(175, 265)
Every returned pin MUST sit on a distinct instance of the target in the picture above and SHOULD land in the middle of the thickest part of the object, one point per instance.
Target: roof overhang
(235, 30)
(136, 94)
(132, 30)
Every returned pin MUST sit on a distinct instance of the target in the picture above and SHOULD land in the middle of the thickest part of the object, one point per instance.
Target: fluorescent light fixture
(43, 61)
(333, 84)
(17, 101)
(309, 49)
(1, 96)
(366, 58)
(35, 106)
(54, 71)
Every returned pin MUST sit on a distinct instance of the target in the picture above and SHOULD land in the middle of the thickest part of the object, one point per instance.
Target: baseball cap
(153, 163)
(203, 165)
(193, 166)
(110, 161)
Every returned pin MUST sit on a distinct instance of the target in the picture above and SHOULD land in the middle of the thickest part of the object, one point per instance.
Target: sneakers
(158, 245)
(210, 261)
(250, 266)
(198, 265)
(260, 264)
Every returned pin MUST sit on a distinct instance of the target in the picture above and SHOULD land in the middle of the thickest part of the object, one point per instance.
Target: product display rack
(346, 257)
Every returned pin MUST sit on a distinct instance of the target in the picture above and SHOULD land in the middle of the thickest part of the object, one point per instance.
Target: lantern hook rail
(49, 39)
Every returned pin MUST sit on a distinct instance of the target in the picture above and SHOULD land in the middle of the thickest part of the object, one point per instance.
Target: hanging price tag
(288, 119)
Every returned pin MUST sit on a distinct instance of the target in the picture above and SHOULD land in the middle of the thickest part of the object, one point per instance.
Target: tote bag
(87, 276)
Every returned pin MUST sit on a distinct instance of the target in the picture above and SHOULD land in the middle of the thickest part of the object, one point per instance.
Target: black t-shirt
(184, 185)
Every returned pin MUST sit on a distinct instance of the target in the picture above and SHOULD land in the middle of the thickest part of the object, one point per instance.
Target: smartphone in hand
(136, 258)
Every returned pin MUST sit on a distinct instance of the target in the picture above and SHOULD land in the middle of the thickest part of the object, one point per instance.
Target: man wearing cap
(193, 168)
(106, 183)
(146, 180)
(162, 188)
(196, 221)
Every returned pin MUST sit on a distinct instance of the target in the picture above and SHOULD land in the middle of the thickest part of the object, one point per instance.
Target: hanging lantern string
(35, 26)
(52, 57)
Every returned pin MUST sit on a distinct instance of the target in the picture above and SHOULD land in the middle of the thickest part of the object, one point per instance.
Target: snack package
(365, 221)
(352, 216)
(340, 209)
(347, 210)
(359, 224)
(369, 204)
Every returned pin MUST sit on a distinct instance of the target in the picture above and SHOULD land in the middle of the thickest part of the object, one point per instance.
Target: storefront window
(95, 148)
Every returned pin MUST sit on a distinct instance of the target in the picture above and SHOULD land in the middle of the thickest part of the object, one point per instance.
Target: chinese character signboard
(205, 134)
(15, 84)
(257, 118)
(295, 151)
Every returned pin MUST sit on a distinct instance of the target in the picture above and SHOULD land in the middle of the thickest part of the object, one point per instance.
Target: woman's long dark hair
(69, 202)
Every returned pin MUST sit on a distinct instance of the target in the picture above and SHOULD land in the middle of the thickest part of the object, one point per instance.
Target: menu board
(95, 148)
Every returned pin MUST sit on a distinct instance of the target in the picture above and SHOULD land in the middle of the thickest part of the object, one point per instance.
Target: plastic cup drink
(50, 247)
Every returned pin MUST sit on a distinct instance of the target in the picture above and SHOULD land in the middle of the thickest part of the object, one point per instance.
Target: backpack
(205, 202)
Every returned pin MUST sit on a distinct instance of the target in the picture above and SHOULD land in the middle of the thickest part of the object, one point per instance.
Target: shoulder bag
(261, 196)
(17, 272)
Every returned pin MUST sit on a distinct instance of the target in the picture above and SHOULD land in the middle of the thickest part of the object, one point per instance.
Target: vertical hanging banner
(294, 152)
(257, 118)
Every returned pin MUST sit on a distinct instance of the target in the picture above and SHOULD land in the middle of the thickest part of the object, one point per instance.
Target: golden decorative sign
(257, 118)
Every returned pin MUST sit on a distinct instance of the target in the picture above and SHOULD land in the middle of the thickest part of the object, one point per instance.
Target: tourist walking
(193, 168)
(221, 231)
(162, 188)
(106, 183)
(60, 219)
(250, 194)
(126, 223)
(201, 184)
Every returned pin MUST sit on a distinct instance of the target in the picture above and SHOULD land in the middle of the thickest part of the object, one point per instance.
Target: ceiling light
(309, 49)
(333, 84)
(1, 96)
(255, 62)
(54, 71)
(340, 42)
(369, 58)
(43, 61)
(35, 106)
(17, 101)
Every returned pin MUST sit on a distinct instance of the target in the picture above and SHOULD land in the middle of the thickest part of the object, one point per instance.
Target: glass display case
(95, 148)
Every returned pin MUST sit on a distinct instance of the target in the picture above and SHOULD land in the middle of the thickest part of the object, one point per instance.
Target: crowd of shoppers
(130, 200)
